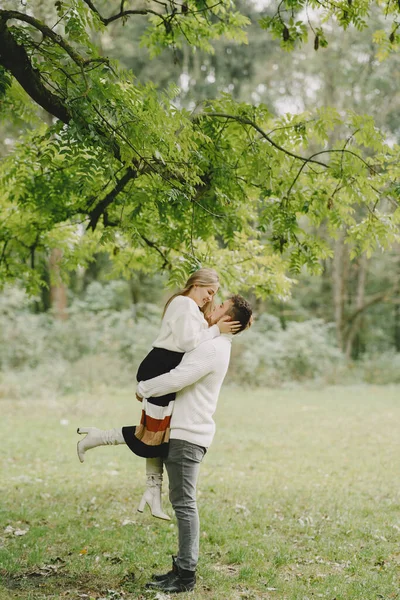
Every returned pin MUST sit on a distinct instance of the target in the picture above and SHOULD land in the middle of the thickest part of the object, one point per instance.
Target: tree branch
(148, 11)
(122, 13)
(246, 121)
(14, 58)
(6, 15)
(381, 297)
(160, 252)
(102, 206)
(343, 151)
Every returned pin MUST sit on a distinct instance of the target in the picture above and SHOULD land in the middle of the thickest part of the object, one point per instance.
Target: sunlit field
(299, 499)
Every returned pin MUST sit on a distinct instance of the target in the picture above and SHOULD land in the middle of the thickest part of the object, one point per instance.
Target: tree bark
(356, 323)
(58, 289)
(14, 58)
(396, 331)
(396, 328)
(339, 284)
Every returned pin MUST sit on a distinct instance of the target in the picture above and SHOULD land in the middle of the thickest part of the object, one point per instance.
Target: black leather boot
(157, 579)
(183, 581)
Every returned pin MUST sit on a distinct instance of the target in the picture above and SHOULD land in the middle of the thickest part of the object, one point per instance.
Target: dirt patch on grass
(49, 583)
(229, 570)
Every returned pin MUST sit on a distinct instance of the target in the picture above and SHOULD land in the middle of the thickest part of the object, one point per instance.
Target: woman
(184, 326)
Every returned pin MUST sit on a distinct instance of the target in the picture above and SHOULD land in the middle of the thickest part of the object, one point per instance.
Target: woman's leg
(98, 437)
(154, 466)
(152, 495)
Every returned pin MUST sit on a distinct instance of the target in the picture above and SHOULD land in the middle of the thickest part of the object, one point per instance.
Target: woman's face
(202, 294)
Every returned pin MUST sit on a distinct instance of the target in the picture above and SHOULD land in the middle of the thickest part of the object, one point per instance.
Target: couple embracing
(179, 384)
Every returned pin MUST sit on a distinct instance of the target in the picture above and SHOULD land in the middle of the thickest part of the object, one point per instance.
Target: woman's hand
(139, 397)
(226, 325)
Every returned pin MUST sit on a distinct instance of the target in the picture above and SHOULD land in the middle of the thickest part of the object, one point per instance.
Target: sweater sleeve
(194, 366)
(187, 328)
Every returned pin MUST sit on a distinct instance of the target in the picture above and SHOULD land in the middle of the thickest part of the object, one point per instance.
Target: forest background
(332, 318)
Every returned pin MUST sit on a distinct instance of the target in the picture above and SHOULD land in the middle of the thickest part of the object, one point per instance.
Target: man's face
(219, 310)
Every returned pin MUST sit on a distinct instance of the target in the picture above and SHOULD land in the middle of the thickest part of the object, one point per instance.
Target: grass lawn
(299, 499)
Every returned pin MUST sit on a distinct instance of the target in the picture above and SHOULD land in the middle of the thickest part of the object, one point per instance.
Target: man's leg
(183, 464)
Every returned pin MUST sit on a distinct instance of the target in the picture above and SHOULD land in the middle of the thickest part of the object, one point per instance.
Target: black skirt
(150, 439)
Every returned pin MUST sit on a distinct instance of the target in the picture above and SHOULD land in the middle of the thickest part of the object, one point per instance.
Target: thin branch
(126, 13)
(342, 151)
(160, 252)
(207, 210)
(208, 8)
(122, 13)
(192, 230)
(161, 4)
(92, 7)
(151, 167)
(290, 126)
(344, 148)
(246, 121)
(2, 257)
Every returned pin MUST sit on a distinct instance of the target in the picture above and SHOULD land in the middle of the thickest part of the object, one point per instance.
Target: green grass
(299, 499)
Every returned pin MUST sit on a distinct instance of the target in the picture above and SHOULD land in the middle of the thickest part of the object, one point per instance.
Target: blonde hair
(203, 278)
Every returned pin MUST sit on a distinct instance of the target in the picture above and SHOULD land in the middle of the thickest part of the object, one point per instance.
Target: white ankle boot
(97, 437)
(152, 497)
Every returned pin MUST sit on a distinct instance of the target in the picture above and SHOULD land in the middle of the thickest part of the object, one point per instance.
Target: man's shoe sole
(171, 587)
(176, 586)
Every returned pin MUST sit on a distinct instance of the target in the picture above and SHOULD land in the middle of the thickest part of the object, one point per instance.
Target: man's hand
(139, 397)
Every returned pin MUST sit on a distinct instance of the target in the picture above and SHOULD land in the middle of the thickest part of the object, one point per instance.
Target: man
(197, 379)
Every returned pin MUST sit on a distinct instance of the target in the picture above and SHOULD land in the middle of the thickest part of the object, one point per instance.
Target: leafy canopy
(122, 168)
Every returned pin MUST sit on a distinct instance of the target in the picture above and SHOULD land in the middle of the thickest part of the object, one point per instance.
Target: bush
(28, 340)
(102, 343)
(269, 355)
(381, 369)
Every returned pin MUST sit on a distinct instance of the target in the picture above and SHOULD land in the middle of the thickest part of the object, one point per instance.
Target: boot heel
(152, 497)
(90, 441)
(80, 452)
(142, 503)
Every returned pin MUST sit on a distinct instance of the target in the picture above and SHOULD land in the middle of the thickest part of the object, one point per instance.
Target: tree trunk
(396, 328)
(58, 290)
(396, 331)
(354, 327)
(339, 285)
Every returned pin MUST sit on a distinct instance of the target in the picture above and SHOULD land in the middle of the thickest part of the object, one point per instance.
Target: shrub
(381, 368)
(104, 339)
(270, 355)
(28, 340)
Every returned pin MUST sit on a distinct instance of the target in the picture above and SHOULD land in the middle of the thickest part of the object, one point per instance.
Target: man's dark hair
(240, 311)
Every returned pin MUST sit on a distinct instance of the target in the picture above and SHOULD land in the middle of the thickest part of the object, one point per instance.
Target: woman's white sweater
(184, 327)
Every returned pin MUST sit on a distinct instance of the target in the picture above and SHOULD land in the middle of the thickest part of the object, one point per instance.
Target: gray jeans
(183, 464)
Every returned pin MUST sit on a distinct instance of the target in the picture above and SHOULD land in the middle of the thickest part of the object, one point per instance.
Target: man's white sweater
(197, 379)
